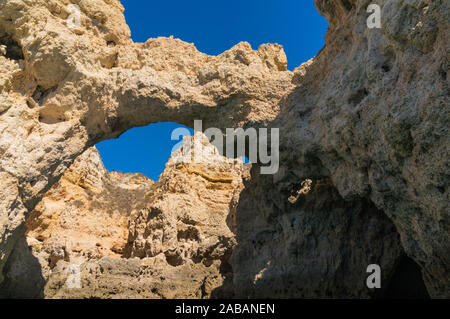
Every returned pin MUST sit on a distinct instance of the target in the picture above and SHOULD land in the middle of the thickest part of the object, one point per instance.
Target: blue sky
(213, 26)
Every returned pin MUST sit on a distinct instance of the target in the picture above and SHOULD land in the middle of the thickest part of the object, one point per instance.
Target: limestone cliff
(83, 216)
(87, 211)
(175, 235)
(369, 115)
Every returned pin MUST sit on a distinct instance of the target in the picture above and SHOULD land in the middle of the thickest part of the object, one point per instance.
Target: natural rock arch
(369, 111)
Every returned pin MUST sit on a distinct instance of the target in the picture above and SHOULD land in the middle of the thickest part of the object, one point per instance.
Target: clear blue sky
(213, 26)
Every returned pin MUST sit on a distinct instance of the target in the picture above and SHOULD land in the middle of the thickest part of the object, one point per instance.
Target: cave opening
(406, 282)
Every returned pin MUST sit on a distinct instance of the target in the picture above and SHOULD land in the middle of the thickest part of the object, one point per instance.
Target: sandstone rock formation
(83, 216)
(369, 115)
(88, 209)
(175, 235)
(191, 213)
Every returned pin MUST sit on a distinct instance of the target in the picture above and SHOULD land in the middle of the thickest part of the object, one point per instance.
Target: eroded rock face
(83, 216)
(318, 247)
(130, 237)
(73, 87)
(377, 122)
(370, 113)
(86, 213)
(190, 214)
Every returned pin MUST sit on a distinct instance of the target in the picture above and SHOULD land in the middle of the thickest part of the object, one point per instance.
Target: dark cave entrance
(406, 282)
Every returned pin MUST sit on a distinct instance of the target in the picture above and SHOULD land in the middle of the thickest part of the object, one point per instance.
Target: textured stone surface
(88, 210)
(190, 214)
(376, 122)
(72, 88)
(83, 216)
(319, 246)
(370, 113)
(175, 235)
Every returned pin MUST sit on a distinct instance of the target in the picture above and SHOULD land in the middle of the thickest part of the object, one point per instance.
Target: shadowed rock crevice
(23, 274)
(10, 48)
(319, 246)
(406, 282)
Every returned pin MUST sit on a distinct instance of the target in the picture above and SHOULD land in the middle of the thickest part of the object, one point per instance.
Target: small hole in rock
(358, 96)
(174, 260)
(443, 73)
(347, 5)
(386, 68)
(40, 94)
(13, 49)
